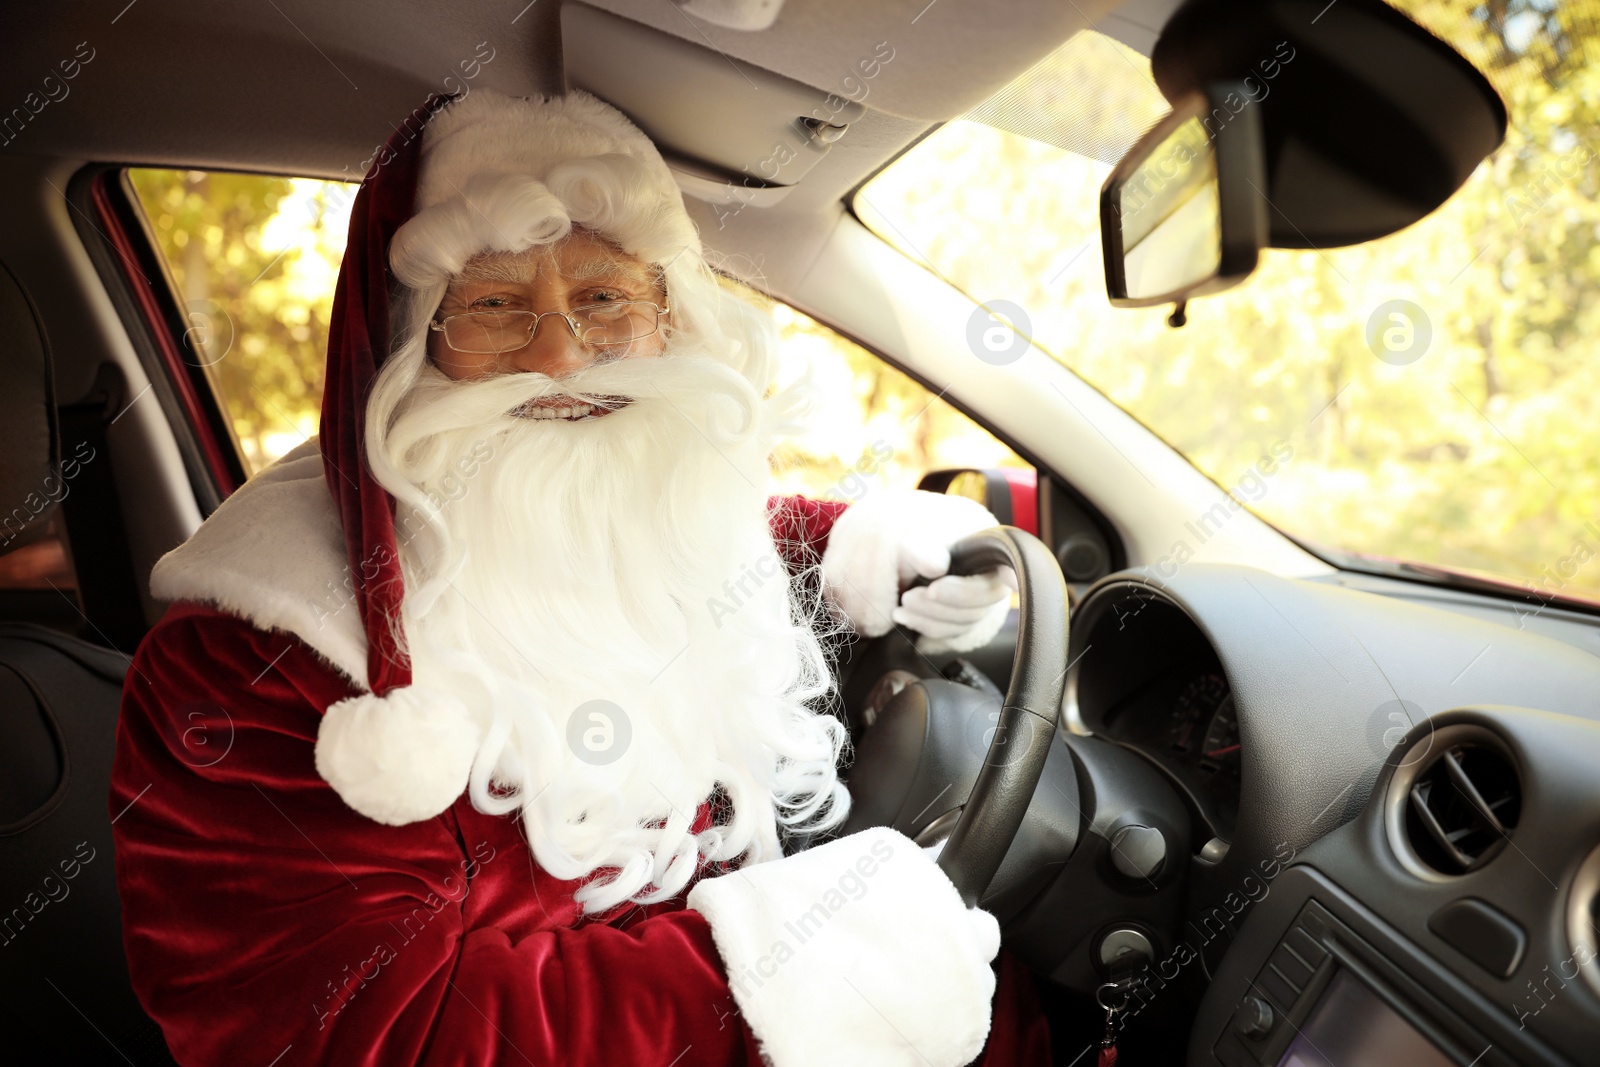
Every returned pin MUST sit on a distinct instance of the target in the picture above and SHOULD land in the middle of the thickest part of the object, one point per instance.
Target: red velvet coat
(266, 922)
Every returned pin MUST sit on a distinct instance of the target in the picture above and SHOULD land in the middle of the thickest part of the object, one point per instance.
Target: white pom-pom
(399, 758)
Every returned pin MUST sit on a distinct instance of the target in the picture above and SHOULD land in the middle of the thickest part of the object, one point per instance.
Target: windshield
(1436, 392)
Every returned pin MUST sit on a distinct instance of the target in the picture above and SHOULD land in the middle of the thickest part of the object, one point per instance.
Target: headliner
(310, 86)
(313, 87)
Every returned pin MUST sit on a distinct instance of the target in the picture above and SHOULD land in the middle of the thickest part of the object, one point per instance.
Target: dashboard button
(1277, 988)
(1308, 947)
(1254, 1018)
(1138, 851)
(1287, 964)
(1482, 933)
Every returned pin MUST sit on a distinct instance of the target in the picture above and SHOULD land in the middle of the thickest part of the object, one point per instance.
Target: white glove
(882, 543)
(859, 951)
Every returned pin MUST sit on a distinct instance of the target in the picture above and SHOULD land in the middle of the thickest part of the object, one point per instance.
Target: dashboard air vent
(1583, 919)
(1462, 808)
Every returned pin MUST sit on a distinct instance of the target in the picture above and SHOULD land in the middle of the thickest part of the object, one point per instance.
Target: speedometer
(1203, 740)
(1193, 711)
(1222, 736)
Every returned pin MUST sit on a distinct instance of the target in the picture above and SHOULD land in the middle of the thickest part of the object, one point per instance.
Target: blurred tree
(875, 424)
(255, 259)
(1482, 454)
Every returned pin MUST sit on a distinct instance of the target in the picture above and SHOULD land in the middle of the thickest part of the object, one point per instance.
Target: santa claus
(482, 724)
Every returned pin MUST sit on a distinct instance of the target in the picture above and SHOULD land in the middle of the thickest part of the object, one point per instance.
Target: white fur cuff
(399, 758)
(859, 951)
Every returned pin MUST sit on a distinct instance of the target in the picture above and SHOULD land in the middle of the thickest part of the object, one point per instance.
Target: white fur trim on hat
(399, 758)
(502, 174)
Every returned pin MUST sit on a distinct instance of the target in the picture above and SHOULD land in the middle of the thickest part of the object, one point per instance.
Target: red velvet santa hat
(488, 172)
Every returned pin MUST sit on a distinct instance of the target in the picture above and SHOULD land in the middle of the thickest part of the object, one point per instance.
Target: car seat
(65, 996)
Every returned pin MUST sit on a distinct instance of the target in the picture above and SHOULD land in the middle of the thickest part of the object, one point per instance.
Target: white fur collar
(274, 555)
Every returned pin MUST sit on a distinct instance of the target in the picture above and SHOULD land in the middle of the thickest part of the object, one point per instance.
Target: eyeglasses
(620, 322)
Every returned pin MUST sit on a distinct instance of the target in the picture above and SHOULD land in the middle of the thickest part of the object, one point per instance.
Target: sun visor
(730, 132)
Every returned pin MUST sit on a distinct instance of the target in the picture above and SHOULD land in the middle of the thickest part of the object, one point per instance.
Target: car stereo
(1312, 1004)
(1316, 980)
(1366, 951)
(1350, 1024)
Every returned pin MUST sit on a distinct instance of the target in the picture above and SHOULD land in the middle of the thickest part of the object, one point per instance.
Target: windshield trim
(1438, 576)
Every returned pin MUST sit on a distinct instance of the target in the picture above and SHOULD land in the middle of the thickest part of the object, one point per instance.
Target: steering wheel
(1027, 725)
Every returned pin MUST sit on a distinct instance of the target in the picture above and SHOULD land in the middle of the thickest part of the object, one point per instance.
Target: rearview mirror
(1183, 214)
(1367, 121)
(1347, 122)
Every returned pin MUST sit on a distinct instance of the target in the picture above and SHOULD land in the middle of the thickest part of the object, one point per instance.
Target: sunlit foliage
(256, 258)
(1482, 454)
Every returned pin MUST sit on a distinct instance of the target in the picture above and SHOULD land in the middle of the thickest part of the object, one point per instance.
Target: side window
(255, 259)
(876, 425)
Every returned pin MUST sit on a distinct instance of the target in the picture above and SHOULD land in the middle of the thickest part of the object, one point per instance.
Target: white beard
(625, 559)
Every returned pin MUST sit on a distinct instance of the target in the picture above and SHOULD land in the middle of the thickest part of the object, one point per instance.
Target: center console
(1452, 922)
(1321, 989)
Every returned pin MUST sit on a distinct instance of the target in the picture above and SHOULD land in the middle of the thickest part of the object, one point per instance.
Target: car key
(1108, 1043)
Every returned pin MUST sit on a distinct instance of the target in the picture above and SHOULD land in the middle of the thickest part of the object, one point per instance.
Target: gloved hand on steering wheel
(890, 538)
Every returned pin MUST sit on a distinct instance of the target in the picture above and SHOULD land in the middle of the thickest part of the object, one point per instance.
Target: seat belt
(96, 533)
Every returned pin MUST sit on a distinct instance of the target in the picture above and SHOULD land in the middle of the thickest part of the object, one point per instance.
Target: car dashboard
(1397, 820)
(1185, 723)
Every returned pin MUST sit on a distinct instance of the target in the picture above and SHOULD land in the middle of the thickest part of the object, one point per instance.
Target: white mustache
(688, 384)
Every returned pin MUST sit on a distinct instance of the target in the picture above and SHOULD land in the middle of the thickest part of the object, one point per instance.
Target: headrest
(30, 474)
